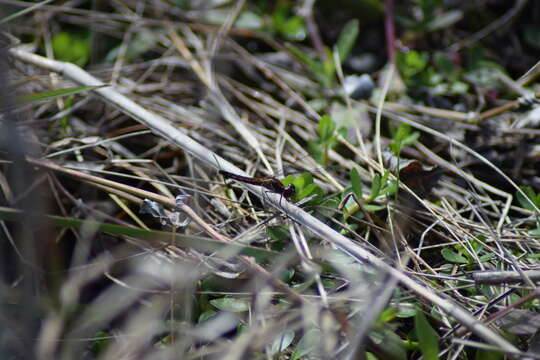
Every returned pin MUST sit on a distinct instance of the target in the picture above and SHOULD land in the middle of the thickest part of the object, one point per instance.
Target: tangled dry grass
(445, 266)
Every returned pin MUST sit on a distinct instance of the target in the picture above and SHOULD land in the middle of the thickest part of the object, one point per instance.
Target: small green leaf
(427, 337)
(278, 233)
(411, 139)
(71, 48)
(412, 63)
(356, 183)
(282, 342)
(375, 188)
(102, 340)
(535, 232)
(406, 310)
(206, 315)
(294, 28)
(306, 191)
(373, 207)
(231, 304)
(326, 128)
(389, 343)
(316, 149)
(346, 39)
(454, 257)
(314, 66)
(390, 188)
(307, 344)
(387, 315)
(531, 196)
(486, 258)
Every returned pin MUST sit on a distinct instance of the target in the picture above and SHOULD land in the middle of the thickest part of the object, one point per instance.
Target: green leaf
(282, 342)
(278, 233)
(411, 139)
(71, 48)
(300, 181)
(316, 67)
(525, 201)
(346, 39)
(294, 28)
(375, 188)
(102, 340)
(486, 257)
(307, 344)
(389, 343)
(535, 232)
(403, 137)
(231, 304)
(454, 257)
(412, 63)
(326, 128)
(49, 95)
(356, 183)
(306, 191)
(373, 207)
(208, 314)
(427, 337)
(406, 310)
(316, 149)
(387, 315)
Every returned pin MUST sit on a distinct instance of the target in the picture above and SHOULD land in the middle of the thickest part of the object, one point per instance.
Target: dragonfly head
(289, 191)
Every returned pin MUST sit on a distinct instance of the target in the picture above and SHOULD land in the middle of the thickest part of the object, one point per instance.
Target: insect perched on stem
(269, 183)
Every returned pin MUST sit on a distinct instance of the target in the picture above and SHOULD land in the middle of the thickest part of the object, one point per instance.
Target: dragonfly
(270, 183)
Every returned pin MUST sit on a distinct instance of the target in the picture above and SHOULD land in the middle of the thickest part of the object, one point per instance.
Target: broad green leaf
(427, 337)
(346, 39)
(356, 183)
(71, 48)
(486, 257)
(375, 187)
(306, 191)
(531, 196)
(282, 342)
(311, 189)
(454, 257)
(300, 181)
(231, 304)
